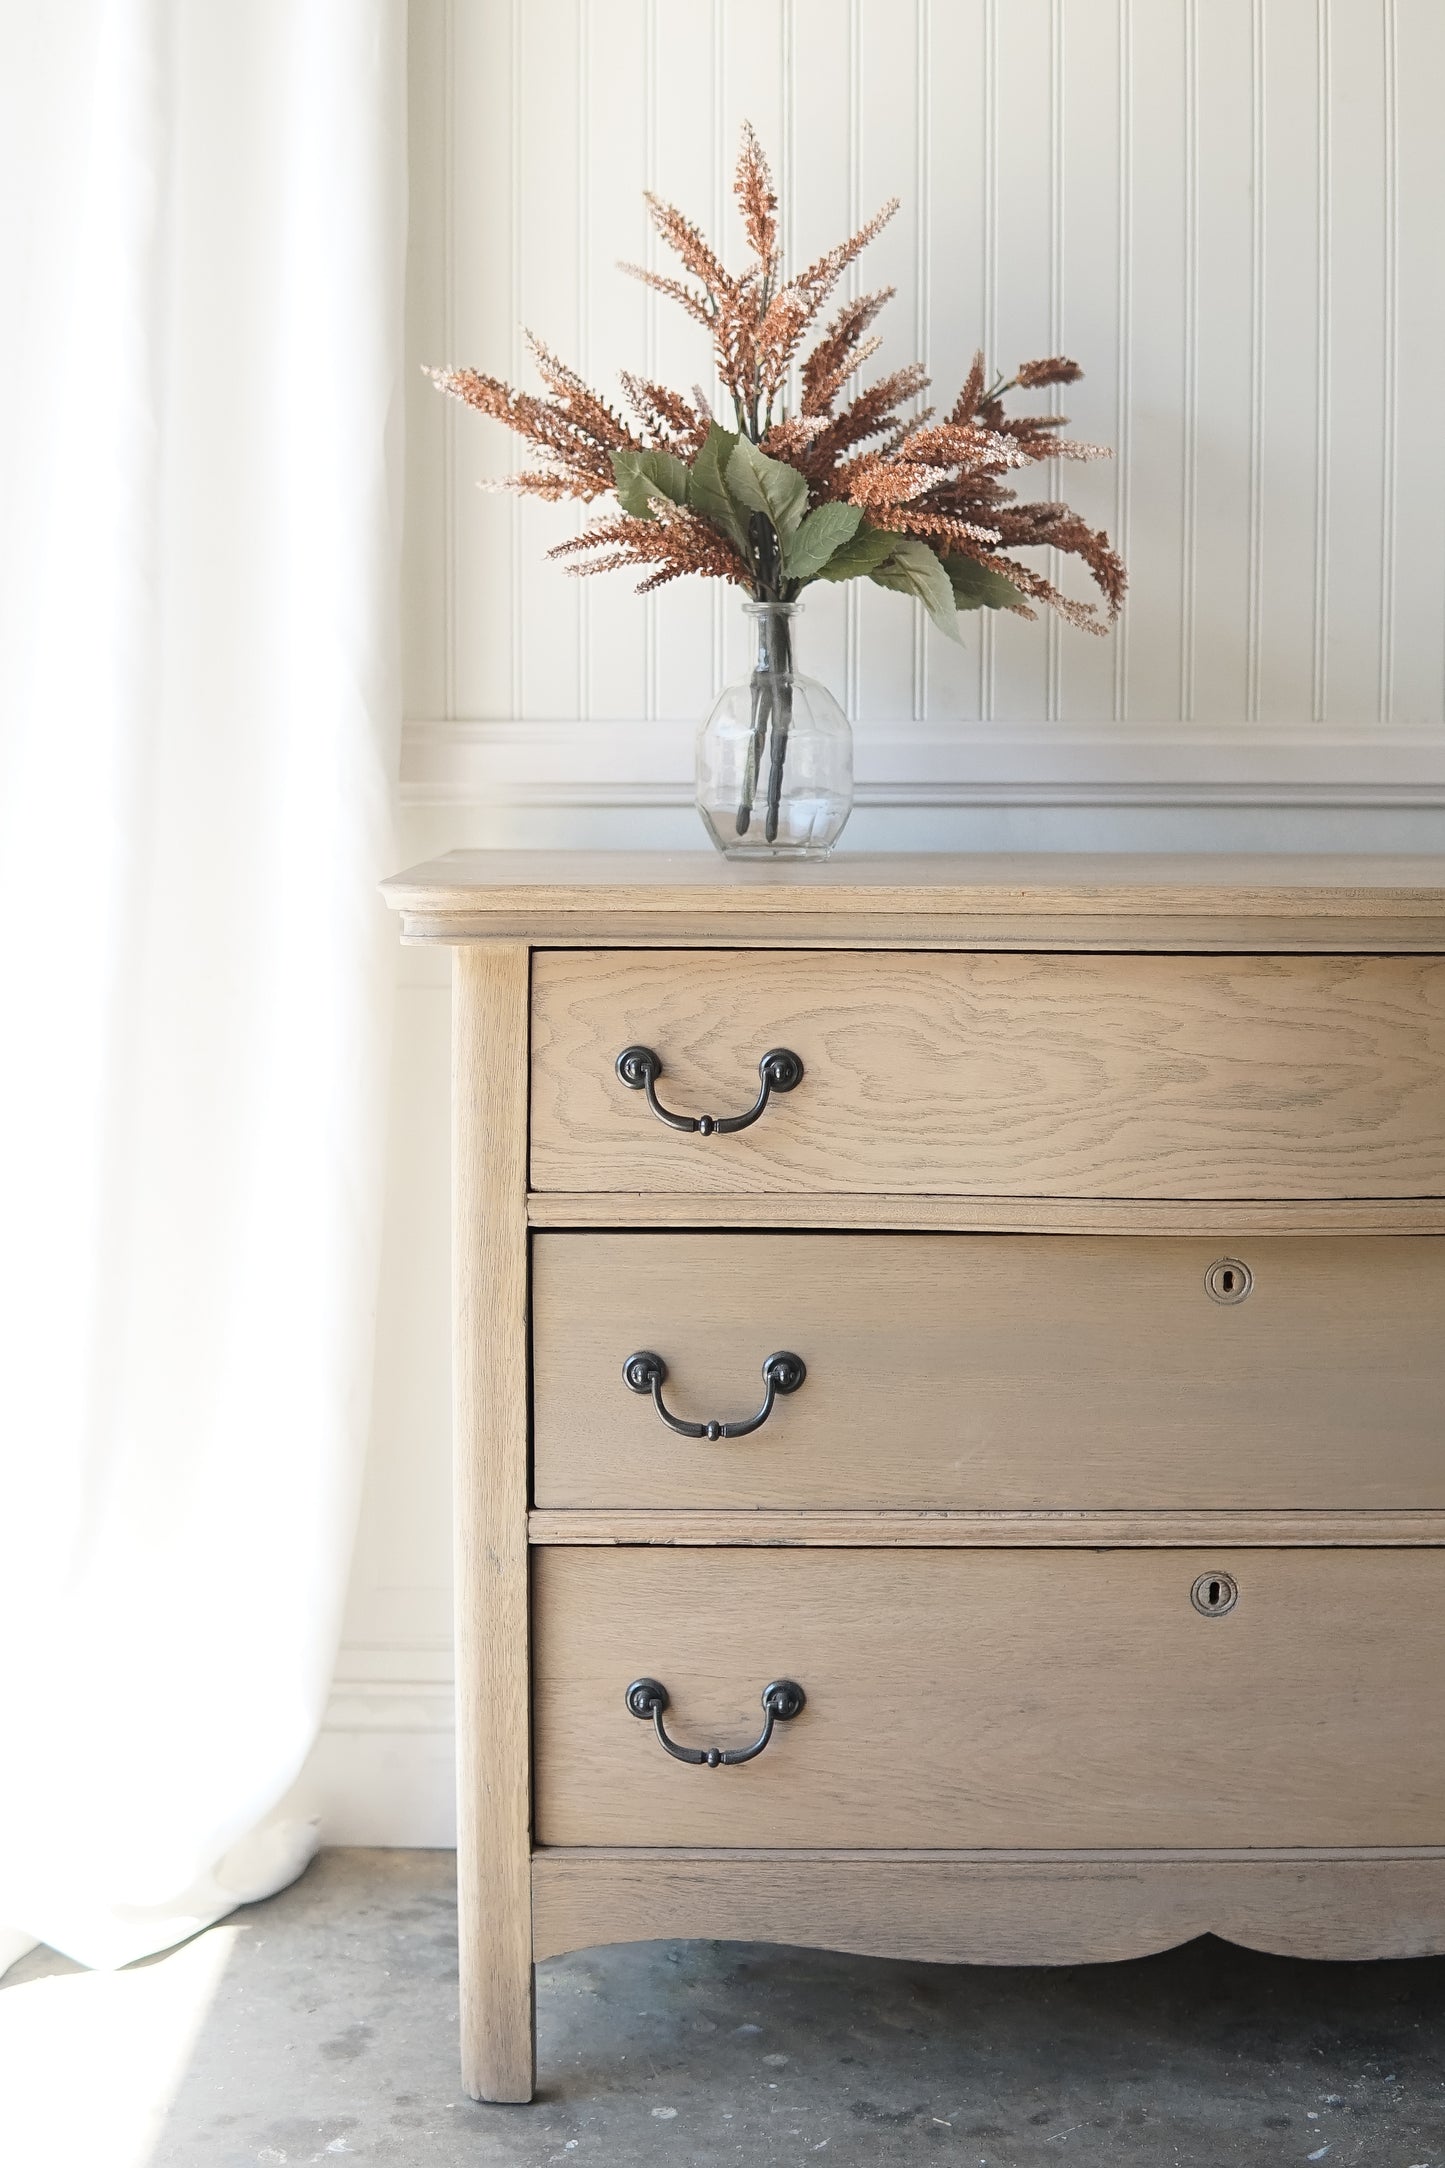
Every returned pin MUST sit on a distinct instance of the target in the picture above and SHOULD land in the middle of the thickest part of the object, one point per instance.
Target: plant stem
(761, 707)
(780, 657)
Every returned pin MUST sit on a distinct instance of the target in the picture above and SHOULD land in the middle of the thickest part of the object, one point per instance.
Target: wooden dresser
(950, 1407)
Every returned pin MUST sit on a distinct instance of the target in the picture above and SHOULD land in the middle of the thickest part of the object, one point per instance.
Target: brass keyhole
(1214, 1593)
(1228, 1280)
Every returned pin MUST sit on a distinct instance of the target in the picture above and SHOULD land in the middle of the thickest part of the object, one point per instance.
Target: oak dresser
(950, 1407)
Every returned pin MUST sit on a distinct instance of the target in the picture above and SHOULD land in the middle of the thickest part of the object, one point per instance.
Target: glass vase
(775, 756)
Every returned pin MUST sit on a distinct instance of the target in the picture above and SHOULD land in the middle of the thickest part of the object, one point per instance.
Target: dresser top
(977, 900)
(675, 880)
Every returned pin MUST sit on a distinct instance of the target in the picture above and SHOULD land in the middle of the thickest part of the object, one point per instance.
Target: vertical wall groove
(1124, 244)
(788, 164)
(855, 215)
(1388, 446)
(990, 294)
(1056, 314)
(449, 340)
(719, 161)
(649, 155)
(518, 678)
(922, 342)
(1256, 359)
(1189, 484)
(1324, 184)
(584, 316)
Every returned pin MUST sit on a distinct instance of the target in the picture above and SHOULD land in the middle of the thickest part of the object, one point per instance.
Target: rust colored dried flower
(828, 490)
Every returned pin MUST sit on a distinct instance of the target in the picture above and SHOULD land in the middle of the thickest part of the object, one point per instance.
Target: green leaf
(913, 569)
(857, 559)
(641, 476)
(707, 489)
(808, 549)
(767, 486)
(976, 587)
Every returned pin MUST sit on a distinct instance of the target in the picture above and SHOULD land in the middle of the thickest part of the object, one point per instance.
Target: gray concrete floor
(326, 2030)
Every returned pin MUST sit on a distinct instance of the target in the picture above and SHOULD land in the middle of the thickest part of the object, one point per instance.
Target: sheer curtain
(203, 227)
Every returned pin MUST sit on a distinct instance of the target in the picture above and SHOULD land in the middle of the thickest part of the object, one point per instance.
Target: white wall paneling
(1227, 210)
(1221, 207)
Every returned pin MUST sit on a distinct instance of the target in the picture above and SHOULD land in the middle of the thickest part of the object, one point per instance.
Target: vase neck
(774, 637)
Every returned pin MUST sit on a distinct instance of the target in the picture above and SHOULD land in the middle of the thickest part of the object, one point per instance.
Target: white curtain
(203, 224)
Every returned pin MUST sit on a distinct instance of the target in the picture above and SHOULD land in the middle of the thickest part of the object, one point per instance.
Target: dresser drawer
(993, 1372)
(995, 1075)
(994, 1698)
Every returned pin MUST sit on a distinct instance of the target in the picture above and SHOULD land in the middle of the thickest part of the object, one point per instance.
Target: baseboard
(383, 1770)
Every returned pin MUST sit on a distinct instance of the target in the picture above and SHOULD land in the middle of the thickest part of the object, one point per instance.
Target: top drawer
(995, 1075)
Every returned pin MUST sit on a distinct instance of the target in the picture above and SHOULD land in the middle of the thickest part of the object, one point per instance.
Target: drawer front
(977, 1698)
(996, 1075)
(994, 1372)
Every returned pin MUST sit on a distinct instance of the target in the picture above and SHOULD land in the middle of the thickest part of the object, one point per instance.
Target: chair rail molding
(562, 764)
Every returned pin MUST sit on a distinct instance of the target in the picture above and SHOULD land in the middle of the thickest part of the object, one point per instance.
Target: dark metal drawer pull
(647, 1373)
(778, 1071)
(782, 1699)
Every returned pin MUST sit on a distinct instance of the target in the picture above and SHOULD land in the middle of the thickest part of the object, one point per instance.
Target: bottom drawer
(994, 1698)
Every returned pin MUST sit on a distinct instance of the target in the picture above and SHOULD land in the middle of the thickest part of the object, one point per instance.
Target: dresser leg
(498, 2033)
(494, 1847)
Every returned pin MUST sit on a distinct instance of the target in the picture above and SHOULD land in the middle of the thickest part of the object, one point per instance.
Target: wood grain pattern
(1078, 1076)
(1069, 882)
(998, 1666)
(994, 1215)
(980, 1698)
(1011, 1373)
(929, 900)
(1002, 1911)
(490, 1386)
(680, 1528)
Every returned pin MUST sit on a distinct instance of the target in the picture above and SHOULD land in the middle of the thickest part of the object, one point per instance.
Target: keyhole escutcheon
(1228, 1280)
(1214, 1593)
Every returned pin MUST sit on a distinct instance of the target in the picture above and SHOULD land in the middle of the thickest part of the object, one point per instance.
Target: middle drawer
(1000, 1373)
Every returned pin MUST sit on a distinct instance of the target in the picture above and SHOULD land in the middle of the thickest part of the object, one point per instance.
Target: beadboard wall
(1227, 210)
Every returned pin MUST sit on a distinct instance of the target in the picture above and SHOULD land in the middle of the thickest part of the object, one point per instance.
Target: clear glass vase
(775, 756)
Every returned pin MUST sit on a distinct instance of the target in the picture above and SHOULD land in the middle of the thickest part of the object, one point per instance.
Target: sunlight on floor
(90, 2061)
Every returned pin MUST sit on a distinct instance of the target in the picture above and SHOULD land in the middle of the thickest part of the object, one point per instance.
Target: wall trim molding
(383, 1768)
(558, 764)
(392, 1686)
(391, 1706)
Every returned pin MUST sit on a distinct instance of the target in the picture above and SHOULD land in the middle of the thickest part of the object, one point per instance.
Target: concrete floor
(321, 2025)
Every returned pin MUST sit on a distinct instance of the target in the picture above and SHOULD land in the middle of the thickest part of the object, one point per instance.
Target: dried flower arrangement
(831, 492)
(842, 486)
